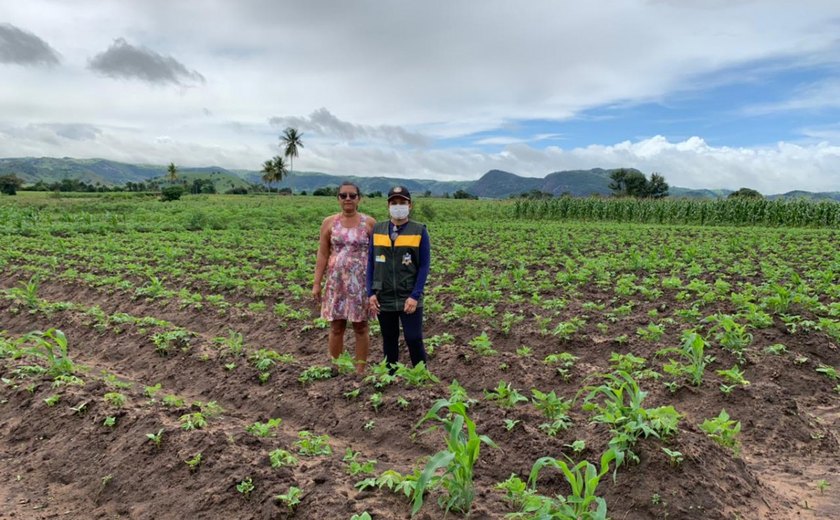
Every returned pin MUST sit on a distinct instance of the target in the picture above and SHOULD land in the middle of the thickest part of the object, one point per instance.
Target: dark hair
(348, 183)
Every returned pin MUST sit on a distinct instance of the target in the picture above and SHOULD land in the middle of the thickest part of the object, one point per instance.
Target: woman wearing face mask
(398, 264)
(342, 255)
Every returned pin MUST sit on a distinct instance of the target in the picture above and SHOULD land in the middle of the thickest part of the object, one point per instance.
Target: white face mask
(398, 211)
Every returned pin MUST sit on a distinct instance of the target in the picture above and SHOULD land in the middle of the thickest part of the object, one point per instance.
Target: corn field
(723, 212)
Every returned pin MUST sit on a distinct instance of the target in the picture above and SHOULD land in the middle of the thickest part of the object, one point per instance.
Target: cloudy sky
(709, 93)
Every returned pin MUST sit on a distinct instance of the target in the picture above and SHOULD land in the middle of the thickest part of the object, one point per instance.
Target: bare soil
(56, 462)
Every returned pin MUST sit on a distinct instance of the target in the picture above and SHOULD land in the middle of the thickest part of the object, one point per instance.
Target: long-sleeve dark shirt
(425, 255)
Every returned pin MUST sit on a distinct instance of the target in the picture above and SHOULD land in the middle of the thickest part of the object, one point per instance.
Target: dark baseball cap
(399, 191)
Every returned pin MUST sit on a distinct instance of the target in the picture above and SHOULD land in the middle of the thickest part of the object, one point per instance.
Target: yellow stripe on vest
(407, 241)
(382, 240)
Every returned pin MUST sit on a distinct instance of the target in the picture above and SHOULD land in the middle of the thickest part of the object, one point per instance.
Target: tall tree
(745, 193)
(632, 183)
(291, 139)
(172, 172)
(657, 188)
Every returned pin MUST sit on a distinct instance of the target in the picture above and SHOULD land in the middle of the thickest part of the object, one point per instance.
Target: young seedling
(264, 429)
(156, 438)
(313, 445)
(482, 345)
(194, 462)
(315, 373)
(577, 446)
(511, 424)
(115, 399)
(193, 421)
(279, 458)
(823, 485)
(361, 516)
(505, 395)
(376, 401)
(52, 400)
(110, 421)
(675, 457)
(370, 425)
(246, 487)
(723, 430)
(291, 498)
(345, 364)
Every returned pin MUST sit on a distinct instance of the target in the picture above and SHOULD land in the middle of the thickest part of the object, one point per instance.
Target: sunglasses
(351, 196)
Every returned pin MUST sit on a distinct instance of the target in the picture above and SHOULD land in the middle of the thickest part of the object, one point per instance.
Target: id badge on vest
(406, 260)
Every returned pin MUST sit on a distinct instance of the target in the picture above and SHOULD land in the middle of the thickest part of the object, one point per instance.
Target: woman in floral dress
(342, 255)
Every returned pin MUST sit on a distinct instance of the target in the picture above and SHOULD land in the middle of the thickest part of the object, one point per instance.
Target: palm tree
(291, 140)
(172, 172)
(274, 170)
(268, 173)
(280, 169)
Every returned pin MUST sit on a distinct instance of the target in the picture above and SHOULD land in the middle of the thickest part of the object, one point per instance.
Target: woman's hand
(316, 292)
(373, 304)
(410, 305)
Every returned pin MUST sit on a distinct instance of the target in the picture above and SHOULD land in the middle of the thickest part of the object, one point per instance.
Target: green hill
(494, 184)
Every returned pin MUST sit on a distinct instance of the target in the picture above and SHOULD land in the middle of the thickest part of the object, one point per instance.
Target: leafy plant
(193, 421)
(675, 457)
(418, 375)
(312, 445)
(246, 487)
(315, 373)
(482, 345)
(291, 497)
(279, 457)
(505, 395)
(345, 364)
(194, 462)
(115, 399)
(723, 430)
(156, 438)
(264, 429)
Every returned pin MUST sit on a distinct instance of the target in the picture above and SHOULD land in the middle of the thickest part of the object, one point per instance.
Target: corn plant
(51, 346)
(693, 358)
(457, 461)
(583, 479)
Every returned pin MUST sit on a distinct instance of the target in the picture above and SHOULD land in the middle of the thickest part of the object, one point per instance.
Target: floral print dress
(345, 292)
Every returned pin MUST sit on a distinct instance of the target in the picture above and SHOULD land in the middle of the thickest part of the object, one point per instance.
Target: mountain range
(494, 184)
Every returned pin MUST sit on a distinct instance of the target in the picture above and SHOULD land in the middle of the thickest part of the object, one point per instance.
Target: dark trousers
(412, 324)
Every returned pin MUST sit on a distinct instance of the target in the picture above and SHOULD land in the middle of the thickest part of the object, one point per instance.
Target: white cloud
(396, 76)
